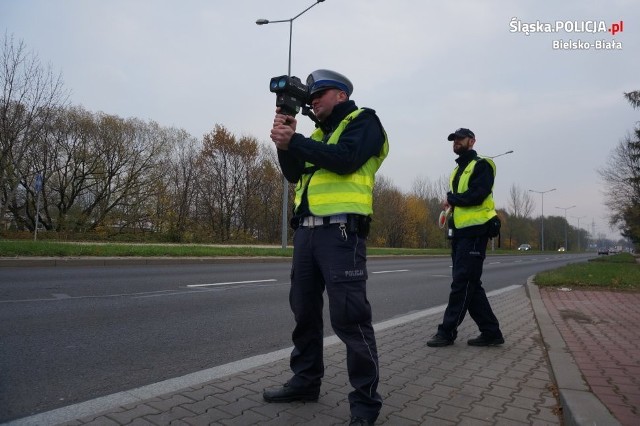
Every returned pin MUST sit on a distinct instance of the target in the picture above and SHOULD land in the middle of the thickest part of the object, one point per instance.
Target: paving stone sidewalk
(456, 385)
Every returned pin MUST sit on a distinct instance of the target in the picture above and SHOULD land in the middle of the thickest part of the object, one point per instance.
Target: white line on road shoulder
(198, 378)
(231, 283)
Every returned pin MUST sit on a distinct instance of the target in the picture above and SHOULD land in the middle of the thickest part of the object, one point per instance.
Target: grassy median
(620, 272)
(26, 248)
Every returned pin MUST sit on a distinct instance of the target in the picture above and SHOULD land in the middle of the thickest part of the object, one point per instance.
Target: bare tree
(432, 195)
(517, 225)
(114, 165)
(70, 165)
(176, 203)
(133, 193)
(30, 94)
(633, 98)
(228, 170)
(263, 199)
(389, 214)
(521, 204)
(621, 176)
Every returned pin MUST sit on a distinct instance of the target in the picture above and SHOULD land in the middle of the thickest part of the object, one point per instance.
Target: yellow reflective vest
(329, 193)
(472, 215)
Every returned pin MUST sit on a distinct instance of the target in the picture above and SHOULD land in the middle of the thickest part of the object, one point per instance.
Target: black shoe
(481, 340)
(288, 393)
(438, 341)
(359, 421)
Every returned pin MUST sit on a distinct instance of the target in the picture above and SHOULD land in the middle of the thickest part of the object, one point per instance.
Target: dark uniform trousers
(329, 256)
(467, 293)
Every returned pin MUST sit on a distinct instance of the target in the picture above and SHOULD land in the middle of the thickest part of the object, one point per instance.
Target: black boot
(483, 340)
(439, 341)
(289, 393)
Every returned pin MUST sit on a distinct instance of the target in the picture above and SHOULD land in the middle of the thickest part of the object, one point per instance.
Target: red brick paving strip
(602, 331)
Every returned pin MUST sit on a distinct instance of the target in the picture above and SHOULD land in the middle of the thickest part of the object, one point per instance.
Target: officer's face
(323, 102)
(461, 145)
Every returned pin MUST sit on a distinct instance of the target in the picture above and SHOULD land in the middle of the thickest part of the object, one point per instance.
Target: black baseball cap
(461, 133)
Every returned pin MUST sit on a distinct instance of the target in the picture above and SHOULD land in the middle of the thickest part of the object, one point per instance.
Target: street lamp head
(565, 208)
(542, 192)
(262, 21)
(500, 155)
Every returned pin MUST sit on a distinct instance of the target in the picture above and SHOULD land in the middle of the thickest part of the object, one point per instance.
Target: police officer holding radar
(334, 171)
(473, 222)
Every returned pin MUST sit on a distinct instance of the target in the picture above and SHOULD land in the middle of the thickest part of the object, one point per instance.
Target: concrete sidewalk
(531, 379)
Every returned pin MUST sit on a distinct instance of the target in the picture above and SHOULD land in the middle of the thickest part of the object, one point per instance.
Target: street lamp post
(493, 241)
(566, 239)
(38, 189)
(542, 216)
(285, 183)
(581, 217)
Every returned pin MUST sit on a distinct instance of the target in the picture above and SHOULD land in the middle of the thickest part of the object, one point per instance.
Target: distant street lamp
(285, 183)
(500, 155)
(581, 217)
(566, 240)
(542, 216)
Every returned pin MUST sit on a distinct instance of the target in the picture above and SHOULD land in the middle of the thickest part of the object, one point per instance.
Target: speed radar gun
(292, 96)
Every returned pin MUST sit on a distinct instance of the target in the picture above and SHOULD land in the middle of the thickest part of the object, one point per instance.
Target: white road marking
(391, 272)
(231, 283)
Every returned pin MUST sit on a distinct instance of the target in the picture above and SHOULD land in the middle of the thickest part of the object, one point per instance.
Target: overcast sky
(427, 67)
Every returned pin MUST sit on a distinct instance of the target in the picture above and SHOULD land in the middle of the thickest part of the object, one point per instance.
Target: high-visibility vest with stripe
(329, 193)
(472, 215)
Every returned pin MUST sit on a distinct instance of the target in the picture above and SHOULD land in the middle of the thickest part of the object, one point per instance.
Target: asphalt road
(70, 334)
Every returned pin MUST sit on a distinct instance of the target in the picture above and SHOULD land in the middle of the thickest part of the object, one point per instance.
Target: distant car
(603, 250)
(524, 247)
(561, 249)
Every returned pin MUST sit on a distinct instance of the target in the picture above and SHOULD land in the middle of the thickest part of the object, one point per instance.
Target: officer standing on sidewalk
(473, 221)
(334, 171)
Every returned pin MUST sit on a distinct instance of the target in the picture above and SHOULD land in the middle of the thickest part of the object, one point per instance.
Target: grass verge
(14, 248)
(618, 272)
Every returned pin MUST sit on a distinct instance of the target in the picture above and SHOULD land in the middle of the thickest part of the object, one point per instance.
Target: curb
(21, 262)
(580, 407)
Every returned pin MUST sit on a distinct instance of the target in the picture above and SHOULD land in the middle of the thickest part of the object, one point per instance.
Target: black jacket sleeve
(292, 167)
(360, 140)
